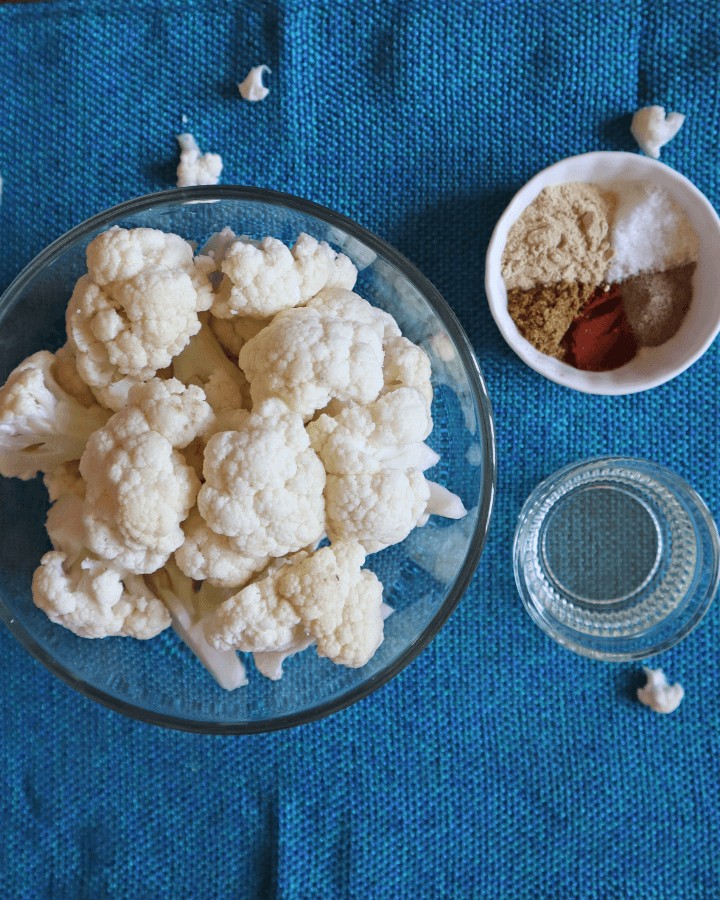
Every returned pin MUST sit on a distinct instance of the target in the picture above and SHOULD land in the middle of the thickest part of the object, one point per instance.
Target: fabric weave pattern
(497, 764)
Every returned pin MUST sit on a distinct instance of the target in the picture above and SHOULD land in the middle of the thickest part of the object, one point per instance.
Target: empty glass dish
(616, 558)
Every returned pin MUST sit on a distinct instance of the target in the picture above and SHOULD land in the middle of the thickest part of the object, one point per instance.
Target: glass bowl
(616, 558)
(160, 681)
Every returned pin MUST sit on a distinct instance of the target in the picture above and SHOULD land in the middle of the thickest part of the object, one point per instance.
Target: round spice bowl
(651, 366)
(616, 558)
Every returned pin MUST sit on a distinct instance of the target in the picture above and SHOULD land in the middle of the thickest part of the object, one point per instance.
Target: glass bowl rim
(480, 396)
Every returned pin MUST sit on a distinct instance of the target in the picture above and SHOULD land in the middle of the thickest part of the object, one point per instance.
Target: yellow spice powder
(562, 236)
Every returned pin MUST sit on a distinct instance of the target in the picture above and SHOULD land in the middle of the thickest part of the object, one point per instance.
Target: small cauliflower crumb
(252, 88)
(658, 694)
(652, 129)
(195, 167)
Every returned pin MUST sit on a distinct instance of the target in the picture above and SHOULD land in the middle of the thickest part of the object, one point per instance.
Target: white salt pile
(649, 232)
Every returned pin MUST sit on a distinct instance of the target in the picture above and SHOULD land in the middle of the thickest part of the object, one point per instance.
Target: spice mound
(594, 274)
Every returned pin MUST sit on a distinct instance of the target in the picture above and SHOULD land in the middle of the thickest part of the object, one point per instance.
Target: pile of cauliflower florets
(210, 420)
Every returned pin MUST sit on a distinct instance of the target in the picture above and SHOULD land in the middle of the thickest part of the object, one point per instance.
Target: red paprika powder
(600, 338)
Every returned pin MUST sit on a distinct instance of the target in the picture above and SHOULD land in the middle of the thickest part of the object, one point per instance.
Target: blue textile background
(497, 764)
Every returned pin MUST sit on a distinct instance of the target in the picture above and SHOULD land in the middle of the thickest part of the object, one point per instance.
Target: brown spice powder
(543, 314)
(657, 302)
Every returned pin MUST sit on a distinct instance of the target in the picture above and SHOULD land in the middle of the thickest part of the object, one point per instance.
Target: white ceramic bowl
(652, 365)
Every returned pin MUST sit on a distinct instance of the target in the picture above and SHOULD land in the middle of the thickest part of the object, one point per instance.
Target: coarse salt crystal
(649, 232)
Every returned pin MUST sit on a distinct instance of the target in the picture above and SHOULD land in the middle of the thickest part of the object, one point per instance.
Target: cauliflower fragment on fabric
(195, 167)
(652, 129)
(658, 694)
(252, 88)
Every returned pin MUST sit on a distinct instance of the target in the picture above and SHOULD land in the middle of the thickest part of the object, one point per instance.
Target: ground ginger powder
(562, 236)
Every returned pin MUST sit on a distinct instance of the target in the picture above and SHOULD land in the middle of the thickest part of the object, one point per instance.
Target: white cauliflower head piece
(263, 278)
(407, 365)
(308, 357)
(375, 509)
(94, 601)
(264, 484)
(216, 558)
(325, 597)
(135, 309)
(652, 129)
(41, 424)
(196, 167)
(658, 693)
(387, 433)
(256, 620)
(252, 87)
(339, 602)
(138, 487)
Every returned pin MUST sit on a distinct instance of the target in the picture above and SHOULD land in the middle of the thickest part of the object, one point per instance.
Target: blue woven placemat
(497, 764)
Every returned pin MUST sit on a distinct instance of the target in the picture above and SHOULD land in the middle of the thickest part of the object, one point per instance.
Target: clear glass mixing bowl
(160, 681)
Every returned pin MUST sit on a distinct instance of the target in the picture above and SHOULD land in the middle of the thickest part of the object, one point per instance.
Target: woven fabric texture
(497, 764)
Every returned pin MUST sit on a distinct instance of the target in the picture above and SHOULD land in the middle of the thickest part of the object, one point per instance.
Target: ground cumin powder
(543, 314)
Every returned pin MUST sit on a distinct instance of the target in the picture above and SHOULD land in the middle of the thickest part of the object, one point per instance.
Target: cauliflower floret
(387, 433)
(195, 167)
(41, 425)
(320, 267)
(216, 558)
(381, 508)
(258, 619)
(266, 277)
(252, 88)
(339, 602)
(308, 357)
(119, 254)
(233, 334)
(204, 363)
(94, 601)
(135, 309)
(261, 279)
(652, 129)
(189, 602)
(407, 365)
(375, 509)
(375, 455)
(65, 371)
(326, 596)
(264, 484)
(658, 693)
(341, 303)
(138, 488)
(64, 479)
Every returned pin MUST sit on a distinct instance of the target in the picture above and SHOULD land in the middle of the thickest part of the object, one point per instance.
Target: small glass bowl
(160, 681)
(616, 558)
